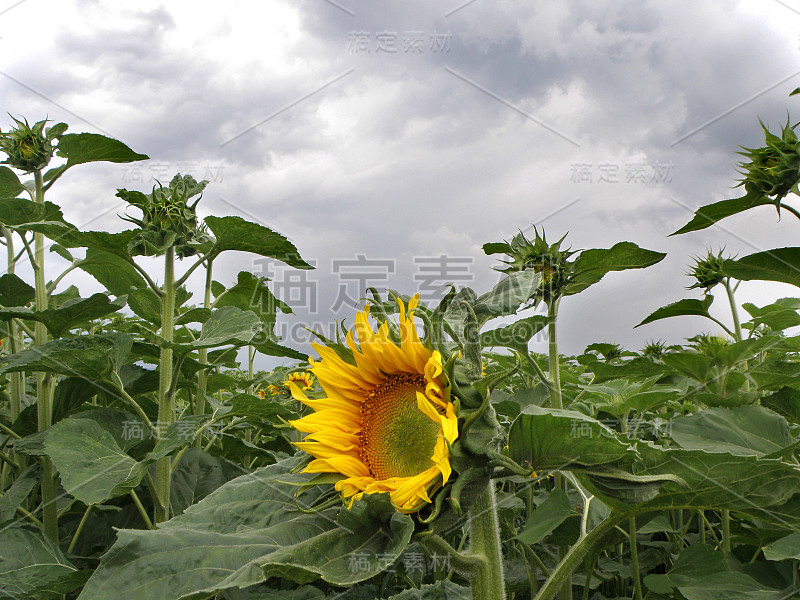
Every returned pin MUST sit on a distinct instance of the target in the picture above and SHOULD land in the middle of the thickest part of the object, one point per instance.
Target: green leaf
(551, 439)
(26, 215)
(193, 315)
(696, 561)
(10, 185)
(197, 475)
(261, 535)
(28, 561)
(686, 307)
(234, 233)
(721, 586)
(691, 364)
(146, 304)
(113, 243)
(117, 275)
(786, 548)
(548, 515)
(228, 325)
(707, 215)
(14, 291)
(779, 264)
(93, 467)
(592, 265)
(94, 357)
(256, 408)
(745, 430)
(505, 298)
(517, 335)
(18, 491)
(441, 590)
(70, 314)
(785, 402)
(79, 148)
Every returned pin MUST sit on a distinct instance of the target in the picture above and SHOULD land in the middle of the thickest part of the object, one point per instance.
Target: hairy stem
(202, 376)
(166, 410)
(570, 563)
(43, 400)
(637, 579)
(488, 582)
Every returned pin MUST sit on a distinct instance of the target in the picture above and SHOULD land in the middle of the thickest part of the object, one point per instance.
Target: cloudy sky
(390, 140)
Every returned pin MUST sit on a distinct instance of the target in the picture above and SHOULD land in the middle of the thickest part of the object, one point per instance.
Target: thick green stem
(637, 579)
(726, 532)
(202, 376)
(166, 410)
(488, 582)
(552, 346)
(43, 400)
(574, 558)
(554, 375)
(14, 345)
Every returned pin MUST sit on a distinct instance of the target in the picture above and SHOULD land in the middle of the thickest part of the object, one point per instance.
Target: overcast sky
(390, 140)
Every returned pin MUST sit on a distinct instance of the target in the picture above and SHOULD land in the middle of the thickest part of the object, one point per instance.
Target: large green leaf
(778, 316)
(718, 586)
(94, 357)
(70, 314)
(234, 233)
(112, 271)
(745, 430)
(228, 325)
(707, 215)
(197, 475)
(93, 467)
(26, 215)
(552, 439)
(548, 515)
(10, 185)
(592, 265)
(686, 307)
(505, 298)
(694, 562)
(79, 148)
(247, 531)
(517, 335)
(640, 477)
(28, 561)
(786, 548)
(14, 291)
(114, 243)
(780, 264)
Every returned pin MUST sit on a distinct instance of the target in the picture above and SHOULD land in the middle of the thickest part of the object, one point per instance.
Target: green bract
(773, 169)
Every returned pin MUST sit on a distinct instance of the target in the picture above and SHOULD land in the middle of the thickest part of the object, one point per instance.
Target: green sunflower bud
(167, 218)
(708, 271)
(29, 148)
(774, 169)
(547, 259)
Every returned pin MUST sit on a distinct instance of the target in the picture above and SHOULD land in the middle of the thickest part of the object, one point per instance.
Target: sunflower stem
(460, 562)
(488, 582)
(43, 406)
(556, 402)
(165, 399)
(202, 354)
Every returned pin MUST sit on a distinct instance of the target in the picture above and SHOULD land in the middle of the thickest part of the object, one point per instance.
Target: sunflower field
(423, 453)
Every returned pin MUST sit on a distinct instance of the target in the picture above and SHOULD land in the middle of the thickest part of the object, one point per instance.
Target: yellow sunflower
(386, 422)
(303, 379)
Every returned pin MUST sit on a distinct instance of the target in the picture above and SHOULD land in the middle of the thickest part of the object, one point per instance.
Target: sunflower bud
(167, 218)
(774, 169)
(708, 271)
(549, 260)
(29, 148)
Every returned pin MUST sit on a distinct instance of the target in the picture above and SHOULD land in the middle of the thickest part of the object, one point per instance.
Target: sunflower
(303, 378)
(386, 423)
